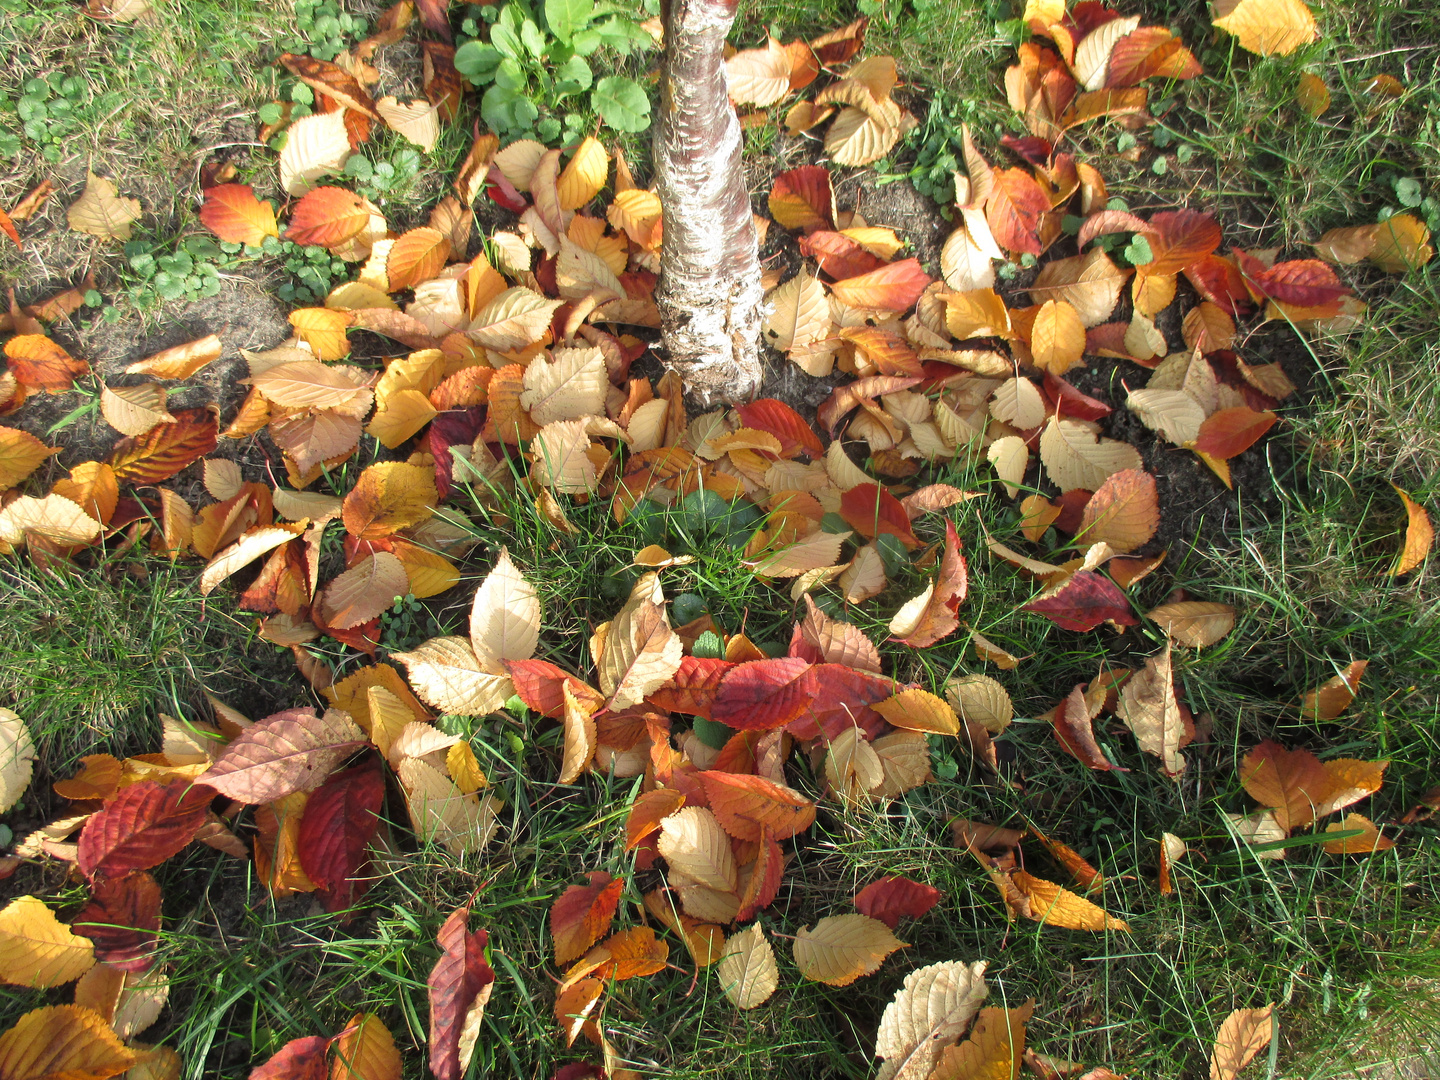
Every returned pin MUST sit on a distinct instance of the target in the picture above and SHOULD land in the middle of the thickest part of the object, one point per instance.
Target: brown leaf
(100, 213)
(1150, 710)
(1124, 512)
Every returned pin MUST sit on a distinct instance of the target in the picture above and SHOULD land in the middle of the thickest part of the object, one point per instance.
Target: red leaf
(327, 216)
(1302, 282)
(582, 915)
(838, 46)
(893, 287)
(803, 199)
(1014, 209)
(837, 255)
(166, 449)
(1178, 239)
(780, 420)
(1084, 602)
(539, 684)
(1218, 280)
(335, 833)
(1149, 51)
(123, 920)
(298, 1059)
(435, 16)
(891, 897)
(763, 884)
(235, 215)
(1233, 431)
(142, 827)
(503, 193)
(1072, 505)
(1071, 403)
(460, 985)
(1032, 148)
(453, 427)
(694, 687)
(840, 698)
(763, 694)
(871, 511)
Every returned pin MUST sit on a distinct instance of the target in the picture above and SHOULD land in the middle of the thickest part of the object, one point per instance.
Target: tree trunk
(710, 296)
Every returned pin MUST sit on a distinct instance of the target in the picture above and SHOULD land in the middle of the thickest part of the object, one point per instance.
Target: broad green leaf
(565, 17)
(477, 62)
(622, 103)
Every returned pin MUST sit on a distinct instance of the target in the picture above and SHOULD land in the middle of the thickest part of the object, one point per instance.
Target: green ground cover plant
(477, 537)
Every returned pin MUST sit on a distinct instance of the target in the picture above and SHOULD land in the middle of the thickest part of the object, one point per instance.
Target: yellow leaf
(979, 699)
(842, 948)
(417, 121)
(53, 518)
(314, 146)
(63, 1042)
(446, 674)
(800, 313)
(134, 410)
(20, 455)
(1057, 338)
(441, 813)
(464, 769)
(1194, 623)
(323, 329)
(585, 175)
(759, 76)
(365, 1050)
(179, 362)
(1149, 709)
(1266, 27)
(993, 1050)
(1054, 906)
(36, 949)
(695, 844)
(1075, 457)
(919, 710)
(572, 385)
(1419, 536)
(747, 971)
(17, 758)
(579, 738)
(1368, 842)
(641, 651)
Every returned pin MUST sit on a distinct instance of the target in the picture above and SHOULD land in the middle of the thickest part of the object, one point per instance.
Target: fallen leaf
(235, 215)
(1419, 537)
(37, 950)
(582, 915)
(1332, 697)
(1124, 512)
(931, 1009)
(142, 826)
(994, 1049)
(365, 1050)
(294, 750)
(63, 1041)
(341, 818)
(747, 971)
(1148, 707)
(1194, 623)
(100, 212)
(17, 758)
(1053, 906)
(459, 986)
(1368, 842)
(1244, 1034)
(842, 948)
(888, 899)
(1266, 27)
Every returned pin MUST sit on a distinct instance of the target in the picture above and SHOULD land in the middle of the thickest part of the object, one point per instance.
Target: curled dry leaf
(1194, 623)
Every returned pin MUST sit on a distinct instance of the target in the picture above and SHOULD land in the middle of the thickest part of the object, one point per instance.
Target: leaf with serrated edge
(504, 617)
(1244, 1034)
(1074, 457)
(931, 1010)
(17, 758)
(746, 970)
(447, 675)
(694, 843)
(1194, 623)
(294, 750)
(36, 949)
(63, 1042)
(1148, 707)
(842, 948)
(365, 1050)
(641, 651)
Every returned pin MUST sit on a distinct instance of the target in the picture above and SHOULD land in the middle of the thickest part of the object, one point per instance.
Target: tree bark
(710, 296)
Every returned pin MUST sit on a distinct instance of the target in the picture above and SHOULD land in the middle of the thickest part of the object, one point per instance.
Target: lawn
(113, 643)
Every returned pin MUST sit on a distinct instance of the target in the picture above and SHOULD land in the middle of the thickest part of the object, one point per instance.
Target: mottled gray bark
(710, 295)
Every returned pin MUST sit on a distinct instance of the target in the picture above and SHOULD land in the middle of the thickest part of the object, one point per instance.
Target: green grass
(1346, 946)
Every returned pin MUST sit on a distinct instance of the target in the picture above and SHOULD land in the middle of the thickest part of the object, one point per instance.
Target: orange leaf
(1332, 697)
(1419, 536)
(647, 812)
(872, 511)
(327, 216)
(1124, 512)
(750, 805)
(633, 953)
(235, 215)
(63, 1041)
(582, 914)
(1013, 210)
(416, 256)
(893, 287)
(1232, 431)
(166, 449)
(20, 455)
(38, 362)
(1149, 51)
(1177, 239)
